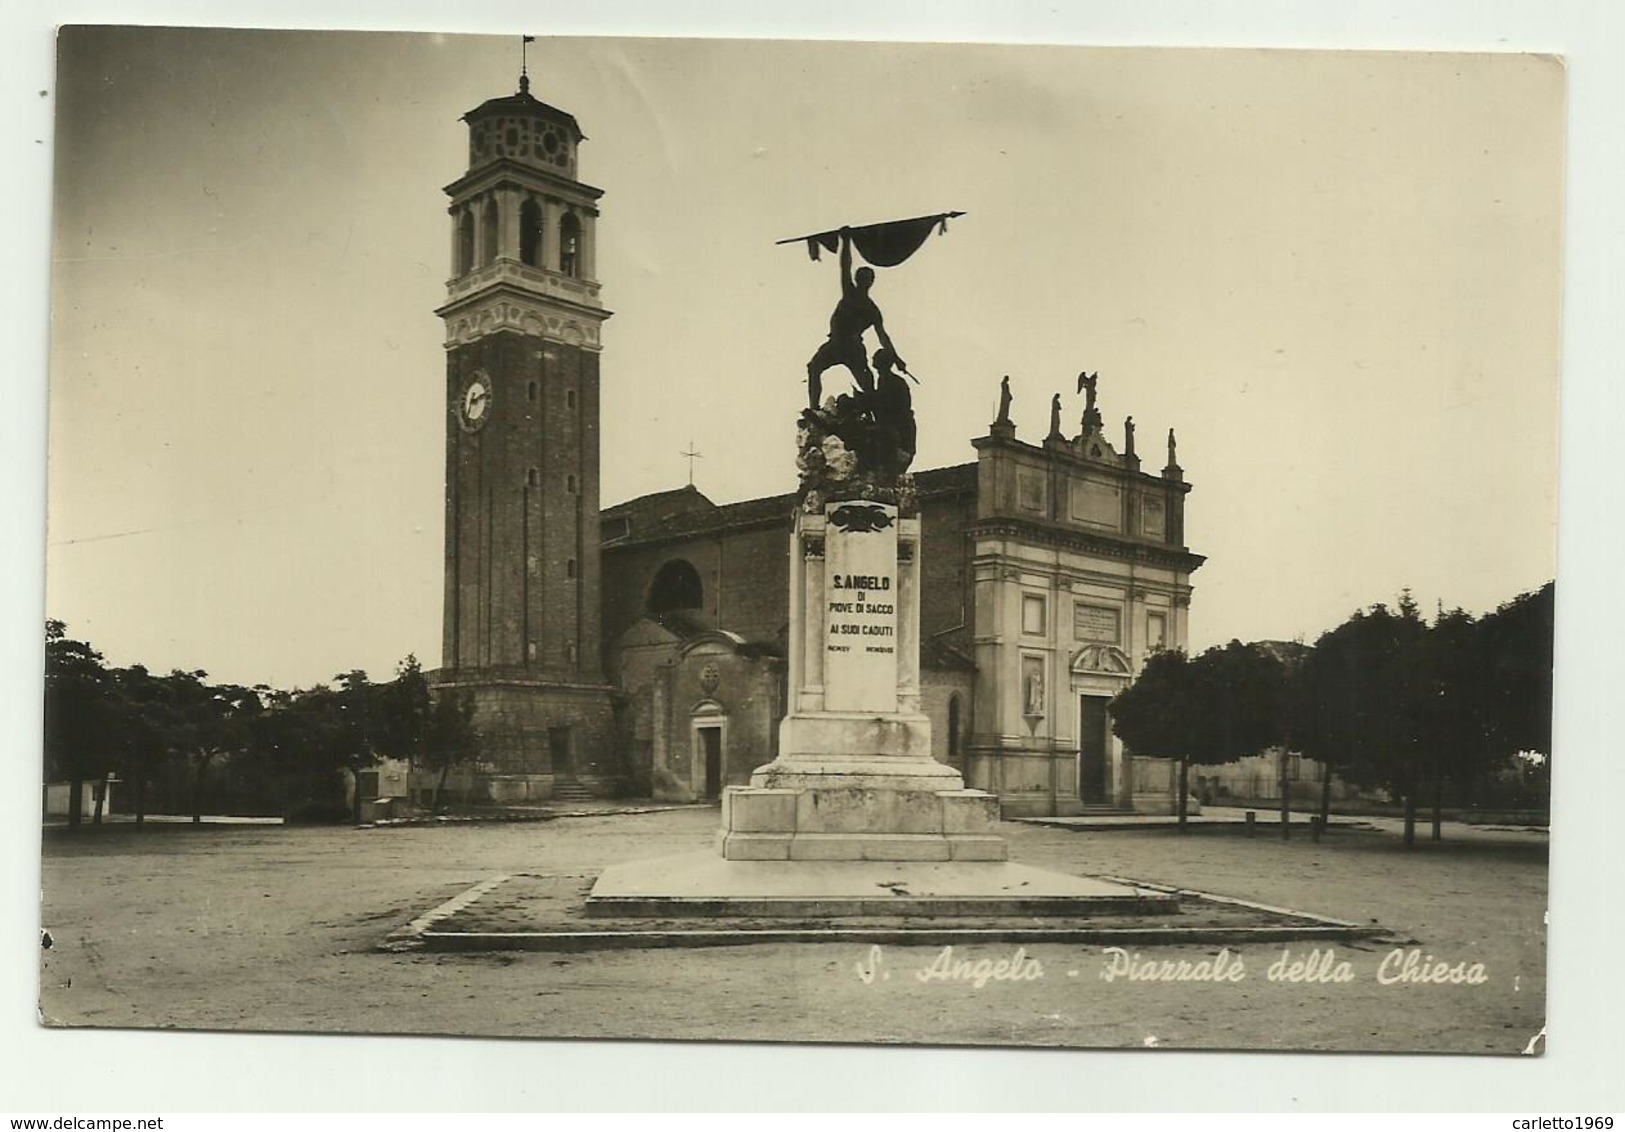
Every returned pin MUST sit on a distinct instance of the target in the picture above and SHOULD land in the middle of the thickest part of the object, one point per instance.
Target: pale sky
(1336, 275)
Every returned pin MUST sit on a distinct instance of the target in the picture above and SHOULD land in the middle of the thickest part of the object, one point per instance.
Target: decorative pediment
(713, 642)
(1108, 659)
(1092, 444)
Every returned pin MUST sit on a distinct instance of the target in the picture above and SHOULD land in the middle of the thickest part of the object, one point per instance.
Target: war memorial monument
(855, 816)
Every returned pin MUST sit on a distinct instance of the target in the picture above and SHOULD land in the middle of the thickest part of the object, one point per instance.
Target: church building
(640, 649)
(1049, 572)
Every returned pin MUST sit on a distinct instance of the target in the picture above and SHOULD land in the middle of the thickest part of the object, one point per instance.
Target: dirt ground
(274, 929)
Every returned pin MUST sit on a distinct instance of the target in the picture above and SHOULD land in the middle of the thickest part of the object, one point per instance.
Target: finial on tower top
(524, 76)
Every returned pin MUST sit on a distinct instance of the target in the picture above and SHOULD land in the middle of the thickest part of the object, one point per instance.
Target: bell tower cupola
(523, 129)
(520, 217)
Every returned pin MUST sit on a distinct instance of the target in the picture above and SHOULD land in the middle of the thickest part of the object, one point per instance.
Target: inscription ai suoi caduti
(860, 618)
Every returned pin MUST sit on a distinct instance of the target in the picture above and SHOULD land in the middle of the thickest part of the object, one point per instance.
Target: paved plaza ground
(276, 928)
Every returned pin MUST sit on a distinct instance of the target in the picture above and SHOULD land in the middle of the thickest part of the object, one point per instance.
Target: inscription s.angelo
(881, 582)
(1019, 967)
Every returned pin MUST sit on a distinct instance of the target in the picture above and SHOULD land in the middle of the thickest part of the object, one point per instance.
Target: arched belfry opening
(570, 244)
(465, 243)
(676, 587)
(488, 243)
(530, 233)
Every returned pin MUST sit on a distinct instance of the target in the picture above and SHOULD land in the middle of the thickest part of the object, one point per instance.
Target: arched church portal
(1098, 673)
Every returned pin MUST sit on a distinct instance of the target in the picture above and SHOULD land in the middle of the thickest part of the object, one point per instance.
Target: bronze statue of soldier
(891, 406)
(854, 314)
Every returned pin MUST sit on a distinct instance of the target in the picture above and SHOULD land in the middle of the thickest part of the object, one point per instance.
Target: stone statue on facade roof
(1086, 386)
(1087, 383)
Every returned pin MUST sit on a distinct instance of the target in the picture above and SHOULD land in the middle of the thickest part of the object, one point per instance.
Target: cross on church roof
(692, 455)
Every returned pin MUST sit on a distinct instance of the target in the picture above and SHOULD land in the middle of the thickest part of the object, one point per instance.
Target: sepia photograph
(802, 541)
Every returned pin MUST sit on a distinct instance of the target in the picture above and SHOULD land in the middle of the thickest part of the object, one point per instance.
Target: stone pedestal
(855, 780)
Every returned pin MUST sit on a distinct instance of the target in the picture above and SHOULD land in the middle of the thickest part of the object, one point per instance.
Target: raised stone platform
(703, 884)
(856, 817)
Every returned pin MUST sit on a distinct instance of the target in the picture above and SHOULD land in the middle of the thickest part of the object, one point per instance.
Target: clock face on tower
(474, 402)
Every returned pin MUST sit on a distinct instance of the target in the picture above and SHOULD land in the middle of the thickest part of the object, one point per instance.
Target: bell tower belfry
(522, 315)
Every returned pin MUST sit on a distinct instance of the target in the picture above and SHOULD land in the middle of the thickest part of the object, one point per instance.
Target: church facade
(640, 649)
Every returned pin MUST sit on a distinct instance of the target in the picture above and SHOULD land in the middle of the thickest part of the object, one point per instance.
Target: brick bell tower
(522, 321)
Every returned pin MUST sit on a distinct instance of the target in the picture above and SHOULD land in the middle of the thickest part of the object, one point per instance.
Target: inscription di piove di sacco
(1400, 967)
(858, 599)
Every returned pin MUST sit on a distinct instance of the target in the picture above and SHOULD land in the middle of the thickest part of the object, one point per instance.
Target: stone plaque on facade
(860, 589)
(1096, 503)
(1096, 623)
(1153, 517)
(1030, 491)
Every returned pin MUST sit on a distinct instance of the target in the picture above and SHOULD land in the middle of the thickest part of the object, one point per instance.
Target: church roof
(659, 527)
(653, 512)
(683, 498)
(941, 481)
(684, 512)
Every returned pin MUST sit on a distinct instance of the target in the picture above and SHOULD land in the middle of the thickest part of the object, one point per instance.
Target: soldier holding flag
(854, 314)
(887, 245)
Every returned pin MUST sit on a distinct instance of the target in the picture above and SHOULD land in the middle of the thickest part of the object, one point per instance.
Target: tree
(145, 741)
(82, 715)
(434, 733)
(1444, 675)
(1157, 714)
(1355, 702)
(295, 736)
(205, 722)
(357, 727)
(1228, 702)
(403, 713)
(1243, 690)
(451, 739)
(1517, 646)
